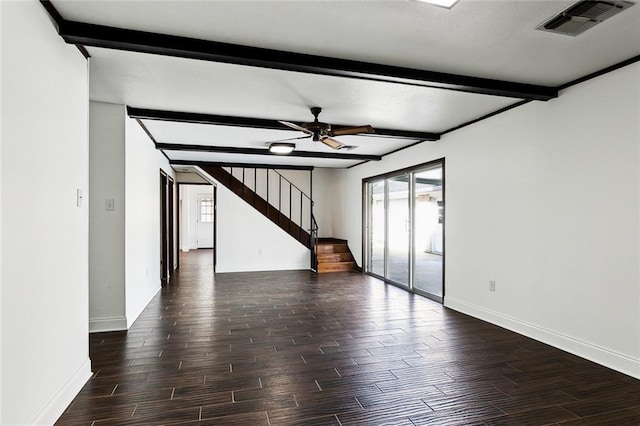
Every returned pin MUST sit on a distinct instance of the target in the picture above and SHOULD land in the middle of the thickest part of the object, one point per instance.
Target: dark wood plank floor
(291, 348)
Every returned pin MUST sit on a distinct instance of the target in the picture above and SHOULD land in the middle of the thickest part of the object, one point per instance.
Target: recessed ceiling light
(441, 3)
(282, 147)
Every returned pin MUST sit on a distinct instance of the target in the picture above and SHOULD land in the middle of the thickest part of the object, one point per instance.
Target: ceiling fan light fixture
(282, 147)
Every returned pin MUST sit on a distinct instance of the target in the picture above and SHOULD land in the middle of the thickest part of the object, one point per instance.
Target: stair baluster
(300, 226)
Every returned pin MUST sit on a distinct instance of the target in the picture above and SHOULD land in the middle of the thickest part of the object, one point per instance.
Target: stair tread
(331, 248)
(334, 257)
(336, 267)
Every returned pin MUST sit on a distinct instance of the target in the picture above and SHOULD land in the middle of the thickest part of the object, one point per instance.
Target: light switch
(79, 197)
(109, 204)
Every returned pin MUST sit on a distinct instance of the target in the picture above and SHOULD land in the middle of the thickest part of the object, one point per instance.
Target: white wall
(106, 228)
(1, 137)
(279, 190)
(189, 178)
(45, 359)
(327, 193)
(299, 178)
(544, 199)
(124, 243)
(248, 241)
(142, 219)
(327, 188)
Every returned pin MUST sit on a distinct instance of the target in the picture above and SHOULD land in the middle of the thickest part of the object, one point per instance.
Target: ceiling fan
(322, 132)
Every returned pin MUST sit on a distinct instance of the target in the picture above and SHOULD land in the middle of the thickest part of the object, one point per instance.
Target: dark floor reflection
(294, 348)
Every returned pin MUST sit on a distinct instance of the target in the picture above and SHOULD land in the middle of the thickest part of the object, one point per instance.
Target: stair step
(334, 257)
(331, 248)
(336, 267)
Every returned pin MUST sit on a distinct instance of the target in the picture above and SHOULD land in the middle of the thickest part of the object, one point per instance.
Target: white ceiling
(166, 83)
(488, 39)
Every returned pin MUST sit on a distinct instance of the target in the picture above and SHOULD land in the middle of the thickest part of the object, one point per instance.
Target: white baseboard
(61, 400)
(98, 325)
(598, 354)
(221, 269)
(130, 320)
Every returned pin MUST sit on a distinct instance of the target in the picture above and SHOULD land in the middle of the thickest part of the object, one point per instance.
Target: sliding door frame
(409, 171)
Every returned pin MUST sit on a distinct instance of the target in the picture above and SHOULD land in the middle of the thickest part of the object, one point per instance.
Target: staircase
(272, 195)
(288, 207)
(334, 256)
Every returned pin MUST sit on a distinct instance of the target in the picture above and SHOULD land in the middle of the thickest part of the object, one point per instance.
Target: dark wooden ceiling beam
(185, 47)
(244, 165)
(261, 123)
(264, 151)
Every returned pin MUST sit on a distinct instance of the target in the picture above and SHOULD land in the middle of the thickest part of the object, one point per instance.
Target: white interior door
(204, 222)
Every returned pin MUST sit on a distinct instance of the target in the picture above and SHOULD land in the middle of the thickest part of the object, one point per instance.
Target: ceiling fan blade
(332, 143)
(352, 130)
(295, 126)
(290, 139)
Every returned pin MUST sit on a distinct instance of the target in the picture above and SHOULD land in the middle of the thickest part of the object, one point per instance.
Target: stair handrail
(291, 183)
(313, 235)
(276, 172)
(304, 198)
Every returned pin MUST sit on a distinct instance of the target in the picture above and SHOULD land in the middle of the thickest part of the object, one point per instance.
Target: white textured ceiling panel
(167, 83)
(478, 38)
(491, 39)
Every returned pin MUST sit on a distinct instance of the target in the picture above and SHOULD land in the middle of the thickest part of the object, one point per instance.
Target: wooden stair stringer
(258, 203)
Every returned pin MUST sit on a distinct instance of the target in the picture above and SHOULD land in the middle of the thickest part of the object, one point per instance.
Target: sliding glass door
(375, 226)
(397, 225)
(428, 235)
(404, 237)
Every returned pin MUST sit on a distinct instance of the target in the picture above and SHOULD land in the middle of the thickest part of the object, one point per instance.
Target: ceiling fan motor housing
(317, 128)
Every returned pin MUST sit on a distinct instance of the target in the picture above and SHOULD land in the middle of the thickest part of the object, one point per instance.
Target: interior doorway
(198, 219)
(204, 221)
(170, 227)
(167, 240)
(404, 228)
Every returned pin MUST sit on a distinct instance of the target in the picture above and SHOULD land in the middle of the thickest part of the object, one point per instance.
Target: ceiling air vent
(583, 15)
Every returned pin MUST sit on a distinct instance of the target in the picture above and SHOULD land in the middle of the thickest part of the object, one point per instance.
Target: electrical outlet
(492, 285)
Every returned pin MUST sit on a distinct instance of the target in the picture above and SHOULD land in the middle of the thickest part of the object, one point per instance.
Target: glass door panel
(376, 228)
(404, 235)
(398, 229)
(428, 237)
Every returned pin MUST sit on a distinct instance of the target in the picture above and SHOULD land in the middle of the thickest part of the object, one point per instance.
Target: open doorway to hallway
(198, 221)
(196, 265)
